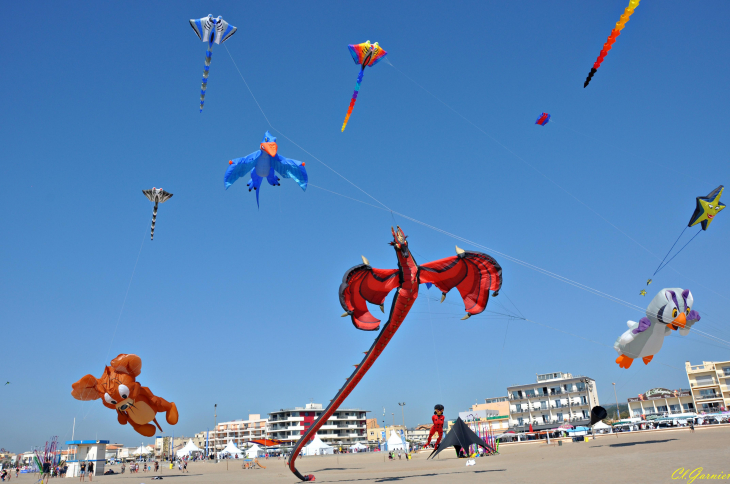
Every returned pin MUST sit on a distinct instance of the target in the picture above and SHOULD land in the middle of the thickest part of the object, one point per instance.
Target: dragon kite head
(268, 144)
(399, 241)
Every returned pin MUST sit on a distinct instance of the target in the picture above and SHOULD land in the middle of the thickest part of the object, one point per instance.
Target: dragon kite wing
(239, 167)
(361, 285)
(474, 274)
(291, 169)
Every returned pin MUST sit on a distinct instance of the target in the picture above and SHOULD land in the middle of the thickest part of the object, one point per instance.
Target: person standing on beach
(691, 426)
(82, 471)
(90, 468)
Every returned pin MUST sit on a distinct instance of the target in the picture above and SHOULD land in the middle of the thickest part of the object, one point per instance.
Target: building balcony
(703, 385)
(697, 368)
(708, 397)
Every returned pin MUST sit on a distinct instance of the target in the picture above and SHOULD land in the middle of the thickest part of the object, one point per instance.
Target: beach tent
(358, 447)
(601, 426)
(231, 449)
(188, 449)
(317, 447)
(254, 451)
(143, 450)
(396, 443)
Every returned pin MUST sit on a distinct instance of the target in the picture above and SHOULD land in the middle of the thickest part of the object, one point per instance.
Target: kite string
(669, 252)
(124, 301)
(522, 159)
(680, 250)
(385, 207)
(292, 141)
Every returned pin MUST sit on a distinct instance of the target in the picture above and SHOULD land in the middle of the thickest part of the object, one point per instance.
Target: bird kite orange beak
(270, 148)
(680, 321)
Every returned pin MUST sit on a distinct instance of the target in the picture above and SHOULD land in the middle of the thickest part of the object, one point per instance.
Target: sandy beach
(637, 457)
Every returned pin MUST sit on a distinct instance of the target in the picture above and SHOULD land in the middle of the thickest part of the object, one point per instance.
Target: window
(585, 413)
(520, 421)
(674, 408)
(543, 405)
(581, 386)
(530, 393)
(661, 408)
(583, 400)
(560, 417)
(704, 380)
(545, 419)
(558, 403)
(707, 393)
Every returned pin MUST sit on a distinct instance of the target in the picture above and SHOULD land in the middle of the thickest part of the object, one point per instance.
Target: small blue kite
(261, 164)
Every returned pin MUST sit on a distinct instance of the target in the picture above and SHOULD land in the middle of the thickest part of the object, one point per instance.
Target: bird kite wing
(361, 285)
(611, 39)
(474, 274)
(239, 167)
(291, 169)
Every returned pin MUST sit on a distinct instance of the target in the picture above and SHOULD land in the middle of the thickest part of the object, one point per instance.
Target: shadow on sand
(628, 444)
(413, 476)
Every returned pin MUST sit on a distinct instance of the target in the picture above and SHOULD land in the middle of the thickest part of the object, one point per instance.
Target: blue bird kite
(262, 164)
(211, 30)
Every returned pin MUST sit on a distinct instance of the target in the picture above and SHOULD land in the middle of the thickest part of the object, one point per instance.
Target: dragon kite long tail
(354, 98)
(474, 274)
(611, 39)
(206, 72)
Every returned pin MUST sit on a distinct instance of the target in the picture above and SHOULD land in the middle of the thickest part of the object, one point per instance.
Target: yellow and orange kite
(612, 38)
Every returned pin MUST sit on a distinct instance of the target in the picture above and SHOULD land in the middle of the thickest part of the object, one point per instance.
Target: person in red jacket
(438, 425)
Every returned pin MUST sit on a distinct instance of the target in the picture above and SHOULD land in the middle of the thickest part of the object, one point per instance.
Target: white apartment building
(345, 427)
(661, 402)
(710, 385)
(236, 431)
(555, 398)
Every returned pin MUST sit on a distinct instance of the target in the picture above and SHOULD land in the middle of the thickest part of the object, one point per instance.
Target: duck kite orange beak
(680, 321)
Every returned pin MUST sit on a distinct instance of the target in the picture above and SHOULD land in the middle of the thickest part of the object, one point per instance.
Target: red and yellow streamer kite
(612, 38)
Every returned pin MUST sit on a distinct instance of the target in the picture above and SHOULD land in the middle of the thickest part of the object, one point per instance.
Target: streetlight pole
(402, 404)
(393, 415)
(614, 394)
(215, 429)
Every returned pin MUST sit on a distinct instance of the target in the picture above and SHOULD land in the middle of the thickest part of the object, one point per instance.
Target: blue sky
(238, 306)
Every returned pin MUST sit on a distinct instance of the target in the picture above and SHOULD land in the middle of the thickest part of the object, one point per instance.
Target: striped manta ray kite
(365, 54)
(211, 30)
(157, 195)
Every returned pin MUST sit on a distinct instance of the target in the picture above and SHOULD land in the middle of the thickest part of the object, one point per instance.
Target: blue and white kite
(261, 164)
(211, 30)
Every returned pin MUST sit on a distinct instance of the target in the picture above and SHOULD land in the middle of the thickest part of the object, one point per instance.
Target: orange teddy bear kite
(117, 388)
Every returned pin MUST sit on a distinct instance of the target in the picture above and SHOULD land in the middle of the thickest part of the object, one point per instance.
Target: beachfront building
(378, 435)
(500, 404)
(555, 399)
(661, 402)
(236, 432)
(710, 385)
(346, 426)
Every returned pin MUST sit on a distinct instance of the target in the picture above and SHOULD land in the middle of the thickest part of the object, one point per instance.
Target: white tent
(254, 451)
(189, 447)
(143, 450)
(317, 447)
(358, 447)
(602, 427)
(395, 442)
(230, 449)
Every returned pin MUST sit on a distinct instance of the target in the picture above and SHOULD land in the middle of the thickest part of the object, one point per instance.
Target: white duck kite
(670, 310)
